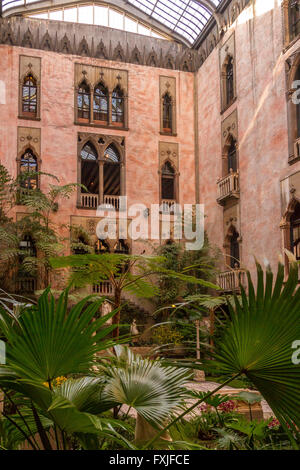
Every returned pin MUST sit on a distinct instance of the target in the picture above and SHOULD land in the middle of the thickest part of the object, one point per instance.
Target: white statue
(133, 328)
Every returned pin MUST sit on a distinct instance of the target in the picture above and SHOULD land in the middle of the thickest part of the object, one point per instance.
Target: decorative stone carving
(65, 45)
(28, 39)
(83, 48)
(29, 137)
(119, 53)
(152, 59)
(169, 151)
(169, 62)
(101, 51)
(68, 38)
(7, 35)
(136, 56)
(230, 128)
(46, 43)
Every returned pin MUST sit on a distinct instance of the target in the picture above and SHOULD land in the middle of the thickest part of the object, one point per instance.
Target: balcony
(92, 201)
(166, 206)
(229, 188)
(25, 285)
(113, 201)
(296, 157)
(103, 288)
(89, 201)
(231, 281)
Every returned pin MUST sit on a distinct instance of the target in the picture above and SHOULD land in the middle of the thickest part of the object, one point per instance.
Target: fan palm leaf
(155, 392)
(50, 342)
(259, 338)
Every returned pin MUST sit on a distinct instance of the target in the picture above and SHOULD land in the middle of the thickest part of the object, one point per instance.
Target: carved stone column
(101, 182)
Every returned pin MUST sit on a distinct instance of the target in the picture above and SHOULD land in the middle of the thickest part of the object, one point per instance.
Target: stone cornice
(97, 42)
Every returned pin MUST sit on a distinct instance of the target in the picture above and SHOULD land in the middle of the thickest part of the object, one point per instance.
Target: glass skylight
(185, 17)
(99, 15)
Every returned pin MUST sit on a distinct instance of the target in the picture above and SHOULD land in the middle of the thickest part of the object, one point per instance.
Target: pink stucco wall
(59, 134)
(262, 129)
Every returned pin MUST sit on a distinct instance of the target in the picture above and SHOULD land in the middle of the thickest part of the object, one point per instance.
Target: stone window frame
(292, 68)
(225, 152)
(227, 52)
(90, 224)
(168, 85)
(285, 227)
(232, 225)
(100, 143)
(29, 139)
(169, 152)
(110, 78)
(229, 130)
(288, 38)
(29, 65)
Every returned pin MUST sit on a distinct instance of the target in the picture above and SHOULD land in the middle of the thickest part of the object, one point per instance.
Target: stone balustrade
(231, 281)
(229, 187)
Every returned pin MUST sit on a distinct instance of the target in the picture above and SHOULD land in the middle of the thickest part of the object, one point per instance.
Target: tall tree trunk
(144, 432)
(116, 318)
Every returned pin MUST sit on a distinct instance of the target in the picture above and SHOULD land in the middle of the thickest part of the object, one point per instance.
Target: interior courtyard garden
(149, 226)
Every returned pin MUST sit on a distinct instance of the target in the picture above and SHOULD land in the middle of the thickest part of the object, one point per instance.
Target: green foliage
(81, 242)
(37, 223)
(155, 392)
(47, 343)
(199, 264)
(166, 334)
(258, 341)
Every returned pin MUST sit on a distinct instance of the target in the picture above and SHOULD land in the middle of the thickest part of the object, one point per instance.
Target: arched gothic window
(168, 188)
(26, 282)
(27, 247)
(28, 170)
(100, 107)
(294, 18)
(89, 169)
(111, 172)
(83, 101)
(232, 156)
(295, 232)
(167, 113)
(297, 126)
(117, 103)
(29, 96)
(234, 249)
(229, 81)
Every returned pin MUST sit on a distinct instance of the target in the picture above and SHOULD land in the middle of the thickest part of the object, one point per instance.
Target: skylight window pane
(85, 14)
(56, 15)
(101, 16)
(115, 19)
(143, 30)
(185, 17)
(42, 16)
(70, 14)
(130, 25)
